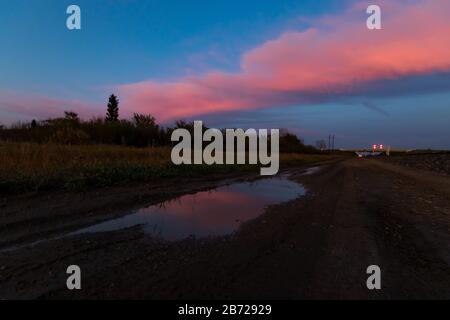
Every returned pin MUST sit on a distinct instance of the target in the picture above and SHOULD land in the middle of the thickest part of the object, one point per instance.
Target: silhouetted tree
(144, 121)
(290, 143)
(71, 116)
(181, 124)
(112, 113)
(321, 144)
(33, 123)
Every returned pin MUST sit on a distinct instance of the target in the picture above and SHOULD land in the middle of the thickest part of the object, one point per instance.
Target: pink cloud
(41, 107)
(335, 56)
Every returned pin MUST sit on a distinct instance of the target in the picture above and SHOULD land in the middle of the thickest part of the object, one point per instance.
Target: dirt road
(357, 212)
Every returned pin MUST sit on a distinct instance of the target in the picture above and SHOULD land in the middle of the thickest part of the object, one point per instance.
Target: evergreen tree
(112, 113)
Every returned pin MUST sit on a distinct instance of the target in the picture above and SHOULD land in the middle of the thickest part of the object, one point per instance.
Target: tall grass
(33, 167)
(28, 166)
(33, 158)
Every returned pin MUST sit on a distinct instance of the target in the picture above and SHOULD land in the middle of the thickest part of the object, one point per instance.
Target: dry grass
(35, 167)
(31, 158)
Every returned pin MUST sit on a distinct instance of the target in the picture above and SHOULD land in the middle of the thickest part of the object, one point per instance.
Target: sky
(308, 66)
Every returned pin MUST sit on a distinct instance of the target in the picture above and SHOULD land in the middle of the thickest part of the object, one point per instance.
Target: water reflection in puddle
(209, 213)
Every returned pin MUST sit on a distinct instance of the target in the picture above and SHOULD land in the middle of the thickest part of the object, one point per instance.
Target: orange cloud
(337, 55)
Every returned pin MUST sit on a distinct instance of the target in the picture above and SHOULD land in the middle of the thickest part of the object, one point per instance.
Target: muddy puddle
(210, 213)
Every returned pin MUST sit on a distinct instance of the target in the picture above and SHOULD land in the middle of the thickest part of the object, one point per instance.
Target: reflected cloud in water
(209, 213)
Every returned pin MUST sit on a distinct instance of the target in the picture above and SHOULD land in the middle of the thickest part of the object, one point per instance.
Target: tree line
(140, 131)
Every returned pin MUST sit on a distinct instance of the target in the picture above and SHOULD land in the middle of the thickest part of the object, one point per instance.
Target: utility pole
(333, 143)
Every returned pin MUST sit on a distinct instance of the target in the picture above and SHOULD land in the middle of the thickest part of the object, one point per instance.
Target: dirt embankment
(357, 212)
(439, 163)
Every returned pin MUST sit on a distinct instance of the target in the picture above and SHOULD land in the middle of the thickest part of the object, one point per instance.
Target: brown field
(33, 158)
(34, 167)
(436, 162)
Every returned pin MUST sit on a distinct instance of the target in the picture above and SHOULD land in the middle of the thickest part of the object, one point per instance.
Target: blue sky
(127, 42)
(166, 39)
